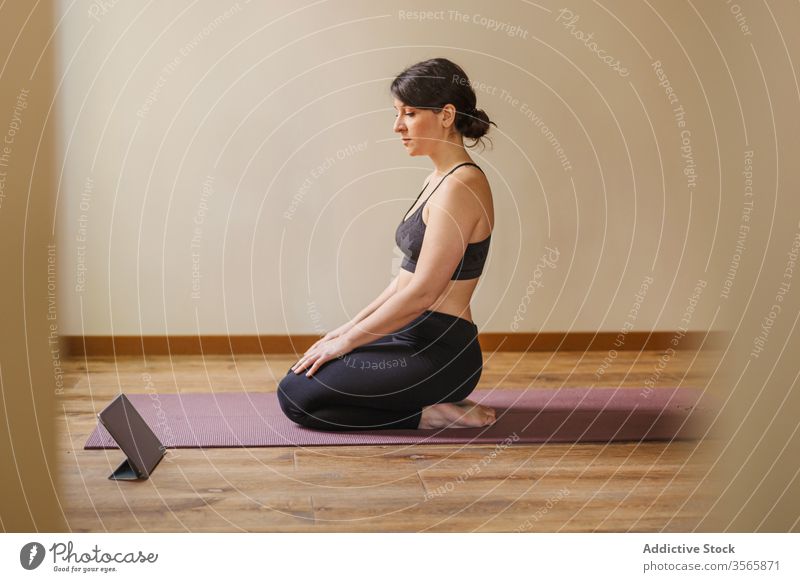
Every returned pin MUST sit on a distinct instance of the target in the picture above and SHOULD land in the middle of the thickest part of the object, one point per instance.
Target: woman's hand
(321, 352)
(339, 331)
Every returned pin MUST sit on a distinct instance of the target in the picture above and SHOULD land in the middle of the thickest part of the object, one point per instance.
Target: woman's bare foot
(470, 405)
(451, 415)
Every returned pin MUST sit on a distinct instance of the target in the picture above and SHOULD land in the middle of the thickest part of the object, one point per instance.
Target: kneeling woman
(410, 358)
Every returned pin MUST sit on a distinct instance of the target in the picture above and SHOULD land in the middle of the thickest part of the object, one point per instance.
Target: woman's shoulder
(471, 178)
(466, 183)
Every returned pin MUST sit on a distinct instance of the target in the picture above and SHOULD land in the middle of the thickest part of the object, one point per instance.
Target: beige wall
(220, 114)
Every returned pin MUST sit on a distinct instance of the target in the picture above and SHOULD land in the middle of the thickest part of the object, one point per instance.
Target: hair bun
(474, 124)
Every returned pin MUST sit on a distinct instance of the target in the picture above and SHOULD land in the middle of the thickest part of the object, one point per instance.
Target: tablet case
(141, 446)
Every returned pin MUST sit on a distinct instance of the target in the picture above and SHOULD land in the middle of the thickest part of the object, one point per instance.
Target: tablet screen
(134, 437)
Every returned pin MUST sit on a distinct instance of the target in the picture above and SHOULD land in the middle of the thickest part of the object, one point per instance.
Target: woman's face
(419, 129)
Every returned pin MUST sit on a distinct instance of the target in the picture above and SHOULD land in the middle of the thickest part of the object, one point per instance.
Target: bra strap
(445, 176)
(405, 216)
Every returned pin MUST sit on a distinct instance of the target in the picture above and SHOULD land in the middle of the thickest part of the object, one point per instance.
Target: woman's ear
(448, 115)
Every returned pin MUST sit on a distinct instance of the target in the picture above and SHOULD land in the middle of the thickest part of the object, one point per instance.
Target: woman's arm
(443, 247)
(446, 235)
(390, 290)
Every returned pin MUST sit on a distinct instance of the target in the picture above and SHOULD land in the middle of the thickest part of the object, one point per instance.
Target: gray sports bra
(411, 231)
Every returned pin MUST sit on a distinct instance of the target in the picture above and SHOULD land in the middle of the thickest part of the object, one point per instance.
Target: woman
(411, 357)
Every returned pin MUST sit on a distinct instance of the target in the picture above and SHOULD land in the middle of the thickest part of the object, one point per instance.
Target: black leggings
(385, 384)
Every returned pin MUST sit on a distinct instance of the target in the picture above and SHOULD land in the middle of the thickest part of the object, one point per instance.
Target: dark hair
(436, 82)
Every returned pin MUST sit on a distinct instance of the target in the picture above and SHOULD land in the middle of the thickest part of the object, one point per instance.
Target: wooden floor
(651, 486)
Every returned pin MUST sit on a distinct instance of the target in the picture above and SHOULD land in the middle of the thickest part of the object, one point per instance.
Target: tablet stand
(126, 472)
(142, 449)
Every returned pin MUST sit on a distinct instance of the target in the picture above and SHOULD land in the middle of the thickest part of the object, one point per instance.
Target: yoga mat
(254, 419)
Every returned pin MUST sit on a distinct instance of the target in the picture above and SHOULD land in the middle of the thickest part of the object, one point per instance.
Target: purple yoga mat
(254, 419)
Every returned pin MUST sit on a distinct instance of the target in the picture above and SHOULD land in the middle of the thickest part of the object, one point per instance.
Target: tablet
(139, 443)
